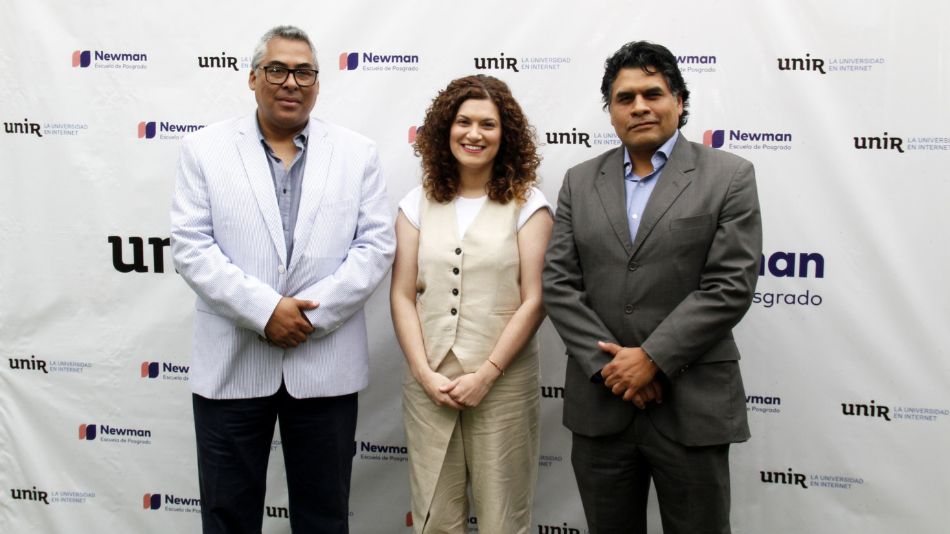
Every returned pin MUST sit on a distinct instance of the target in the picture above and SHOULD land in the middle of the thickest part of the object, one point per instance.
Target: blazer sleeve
(368, 258)
(231, 292)
(565, 297)
(726, 282)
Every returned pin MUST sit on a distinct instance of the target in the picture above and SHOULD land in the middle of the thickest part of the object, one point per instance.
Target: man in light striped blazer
(282, 227)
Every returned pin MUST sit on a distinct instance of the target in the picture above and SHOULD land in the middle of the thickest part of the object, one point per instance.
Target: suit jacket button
(454, 311)
(628, 309)
(633, 266)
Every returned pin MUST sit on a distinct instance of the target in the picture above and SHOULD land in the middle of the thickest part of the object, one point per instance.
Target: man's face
(284, 107)
(643, 111)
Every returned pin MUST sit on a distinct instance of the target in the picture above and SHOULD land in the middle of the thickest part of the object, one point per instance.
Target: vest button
(455, 291)
(628, 309)
(454, 311)
(458, 251)
(455, 270)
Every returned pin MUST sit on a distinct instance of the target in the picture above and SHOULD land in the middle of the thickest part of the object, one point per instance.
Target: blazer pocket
(692, 223)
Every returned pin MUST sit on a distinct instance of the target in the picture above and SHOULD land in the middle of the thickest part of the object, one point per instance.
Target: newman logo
(697, 64)
(171, 503)
(807, 63)
(413, 132)
(28, 364)
(109, 60)
(138, 265)
(150, 369)
(349, 61)
(165, 130)
(25, 127)
(152, 501)
(760, 404)
(147, 130)
(750, 140)
(783, 265)
(167, 371)
(497, 63)
(378, 62)
(572, 137)
(108, 433)
(866, 410)
(790, 265)
(82, 58)
(87, 432)
(714, 138)
(694, 60)
(789, 479)
(879, 143)
(30, 495)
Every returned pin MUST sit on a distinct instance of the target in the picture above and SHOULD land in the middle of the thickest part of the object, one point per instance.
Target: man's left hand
(630, 370)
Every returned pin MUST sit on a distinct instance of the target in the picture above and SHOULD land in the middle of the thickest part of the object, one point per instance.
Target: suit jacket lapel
(258, 174)
(676, 176)
(610, 188)
(316, 173)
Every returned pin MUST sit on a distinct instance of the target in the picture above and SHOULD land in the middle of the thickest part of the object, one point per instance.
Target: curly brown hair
(515, 166)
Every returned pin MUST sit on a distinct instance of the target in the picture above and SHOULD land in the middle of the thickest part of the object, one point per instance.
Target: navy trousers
(234, 438)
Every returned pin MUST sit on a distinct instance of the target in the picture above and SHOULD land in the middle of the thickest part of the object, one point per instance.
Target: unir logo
(30, 495)
(25, 127)
(500, 63)
(879, 143)
(572, 137)
(806, 63)
(138, 265)
(215, 62)
(29, 364)
(789, 479)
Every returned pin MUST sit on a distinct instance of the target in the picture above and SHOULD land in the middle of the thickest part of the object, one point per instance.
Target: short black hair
(652, 58)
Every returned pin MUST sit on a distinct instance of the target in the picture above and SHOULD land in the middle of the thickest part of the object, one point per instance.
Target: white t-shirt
(467, 208)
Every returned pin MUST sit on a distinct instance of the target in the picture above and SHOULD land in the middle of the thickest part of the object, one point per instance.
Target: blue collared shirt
(288, 183)
(639, 188)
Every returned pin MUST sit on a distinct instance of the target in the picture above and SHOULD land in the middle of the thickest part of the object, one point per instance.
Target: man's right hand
(288, 326)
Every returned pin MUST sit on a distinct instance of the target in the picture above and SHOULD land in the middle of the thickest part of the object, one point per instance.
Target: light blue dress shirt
(639, 188)
(288, 183)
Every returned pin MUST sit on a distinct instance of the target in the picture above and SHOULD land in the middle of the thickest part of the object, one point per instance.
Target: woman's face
(475, 134)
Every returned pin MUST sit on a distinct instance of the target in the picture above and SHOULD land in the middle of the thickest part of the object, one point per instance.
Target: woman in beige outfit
(466, 303)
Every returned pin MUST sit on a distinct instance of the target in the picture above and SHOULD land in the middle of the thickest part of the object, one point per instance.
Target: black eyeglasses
(277, 74)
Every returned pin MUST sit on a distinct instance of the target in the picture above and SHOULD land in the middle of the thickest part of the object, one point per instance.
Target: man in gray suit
(653, 261)
(282, 227)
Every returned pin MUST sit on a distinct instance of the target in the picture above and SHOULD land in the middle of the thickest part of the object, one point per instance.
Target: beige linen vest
(467, 289)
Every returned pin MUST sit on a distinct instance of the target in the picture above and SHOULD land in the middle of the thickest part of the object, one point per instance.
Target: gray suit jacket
(677, 290)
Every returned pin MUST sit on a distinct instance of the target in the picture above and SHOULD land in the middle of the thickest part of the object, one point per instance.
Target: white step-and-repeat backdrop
(842, 106)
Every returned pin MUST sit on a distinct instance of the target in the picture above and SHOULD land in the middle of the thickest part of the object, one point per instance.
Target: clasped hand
(288, 326)
(465, 391)
(631, 374)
